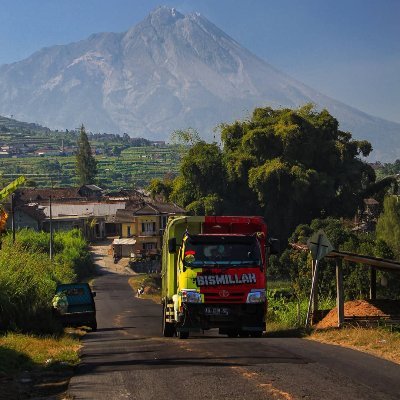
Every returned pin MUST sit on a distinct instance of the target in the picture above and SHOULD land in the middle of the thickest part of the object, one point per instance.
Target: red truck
(214, 275)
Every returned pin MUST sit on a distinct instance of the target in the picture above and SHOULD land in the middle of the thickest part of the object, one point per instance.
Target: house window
(149, 246)
(128, 233)
(164, 219)
(148, 227)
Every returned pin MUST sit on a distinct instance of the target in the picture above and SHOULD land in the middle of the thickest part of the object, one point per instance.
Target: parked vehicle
(214, 275)
(74, 305)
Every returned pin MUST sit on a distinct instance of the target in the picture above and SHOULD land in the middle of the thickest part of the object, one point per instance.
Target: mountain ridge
(170, 71)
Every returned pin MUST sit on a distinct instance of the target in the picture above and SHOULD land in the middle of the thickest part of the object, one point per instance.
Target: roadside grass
(33, 366)
(383, 341)
(20, 352)
(151, 284)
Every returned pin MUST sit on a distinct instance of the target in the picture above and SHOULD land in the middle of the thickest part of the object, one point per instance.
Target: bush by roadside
(28, 278)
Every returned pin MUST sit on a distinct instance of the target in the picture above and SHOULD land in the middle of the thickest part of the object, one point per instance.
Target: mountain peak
(165, 15)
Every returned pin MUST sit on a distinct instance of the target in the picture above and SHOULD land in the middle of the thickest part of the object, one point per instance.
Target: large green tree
(289, 165)
(86, 166)
(295, 165)
(201, 185)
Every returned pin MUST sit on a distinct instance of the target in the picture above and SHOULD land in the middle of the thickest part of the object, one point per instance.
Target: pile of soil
(362, 308)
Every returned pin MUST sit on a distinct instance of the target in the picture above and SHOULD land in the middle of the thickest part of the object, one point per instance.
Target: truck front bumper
(245, 317)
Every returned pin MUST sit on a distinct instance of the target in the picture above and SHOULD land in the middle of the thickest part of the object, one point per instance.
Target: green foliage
(291, 312)
(388, 169)
(388, 225)
(163, 188)
(296, 265)
(86, 168)
(28, 278)
(289, 165)
(208, 205)
(188, 137)
(201, 184)
(136, 166)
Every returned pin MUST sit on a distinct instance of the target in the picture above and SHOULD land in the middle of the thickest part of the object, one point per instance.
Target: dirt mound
(362, 308)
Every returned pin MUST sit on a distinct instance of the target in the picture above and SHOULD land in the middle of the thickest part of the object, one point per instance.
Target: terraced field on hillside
(135, 167)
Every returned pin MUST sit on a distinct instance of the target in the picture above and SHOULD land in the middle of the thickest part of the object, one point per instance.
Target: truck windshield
(211, 251)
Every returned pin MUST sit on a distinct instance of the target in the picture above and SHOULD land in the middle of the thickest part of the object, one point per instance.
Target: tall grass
(288, 313)
(28, 278)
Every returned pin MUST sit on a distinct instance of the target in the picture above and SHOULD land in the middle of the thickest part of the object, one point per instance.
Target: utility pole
(51, 230)
(13, 217)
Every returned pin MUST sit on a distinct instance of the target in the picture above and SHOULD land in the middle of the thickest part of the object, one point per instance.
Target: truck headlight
(190, 296)
(256, 296)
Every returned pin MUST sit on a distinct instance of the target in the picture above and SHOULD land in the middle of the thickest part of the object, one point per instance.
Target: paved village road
(128, 359)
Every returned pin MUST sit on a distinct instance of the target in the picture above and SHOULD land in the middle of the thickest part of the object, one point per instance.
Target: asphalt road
(128, 359)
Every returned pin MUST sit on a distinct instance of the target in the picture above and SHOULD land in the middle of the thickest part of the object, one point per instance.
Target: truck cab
(214, 276)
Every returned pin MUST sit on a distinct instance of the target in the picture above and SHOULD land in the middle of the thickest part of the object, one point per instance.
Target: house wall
(144, 239)
(23, 220)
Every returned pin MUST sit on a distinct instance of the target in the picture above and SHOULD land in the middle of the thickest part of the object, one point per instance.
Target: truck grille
(217, 297)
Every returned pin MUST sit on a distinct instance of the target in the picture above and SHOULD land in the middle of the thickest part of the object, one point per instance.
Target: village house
(143, 223)
(130, 215)
(26, 216)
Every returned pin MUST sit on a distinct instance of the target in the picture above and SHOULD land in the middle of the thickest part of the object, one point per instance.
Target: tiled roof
(134, 209)
(36, 195)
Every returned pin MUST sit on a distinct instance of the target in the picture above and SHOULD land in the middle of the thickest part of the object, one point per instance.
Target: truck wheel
(183, 335)
(93, 326)
(232, 333)
(168, 329)
(243, 334)
(256, 334)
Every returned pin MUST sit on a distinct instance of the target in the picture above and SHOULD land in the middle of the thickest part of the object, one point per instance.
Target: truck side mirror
(172, 245)
(274, 246)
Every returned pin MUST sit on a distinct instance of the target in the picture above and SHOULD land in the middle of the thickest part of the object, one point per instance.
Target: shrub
(28, 278)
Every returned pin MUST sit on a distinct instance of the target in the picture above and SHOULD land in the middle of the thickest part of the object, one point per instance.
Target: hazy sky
(346, 49)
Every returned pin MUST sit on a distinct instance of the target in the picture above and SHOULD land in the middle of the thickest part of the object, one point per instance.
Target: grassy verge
(286, 319)
(36, 366)
(382, 342)
(151, 284)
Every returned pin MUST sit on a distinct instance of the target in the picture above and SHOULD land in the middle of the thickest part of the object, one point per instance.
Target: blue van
(80, 308)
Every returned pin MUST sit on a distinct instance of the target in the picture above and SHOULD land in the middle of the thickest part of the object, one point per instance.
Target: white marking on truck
(212, 280)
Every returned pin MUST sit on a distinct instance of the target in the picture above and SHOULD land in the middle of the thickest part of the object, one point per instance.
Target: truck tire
(232, 333)
(93, 326)
(183, 335)
(256, 334)
(168, 329)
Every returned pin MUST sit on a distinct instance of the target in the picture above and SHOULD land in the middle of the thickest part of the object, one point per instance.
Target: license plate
(216, 311)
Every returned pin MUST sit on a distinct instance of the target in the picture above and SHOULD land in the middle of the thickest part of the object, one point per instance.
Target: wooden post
(314, 287)
(315, 306)
(339, 292)
(372, 284)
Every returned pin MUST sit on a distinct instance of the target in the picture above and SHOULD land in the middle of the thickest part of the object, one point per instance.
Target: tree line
(290, 166)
